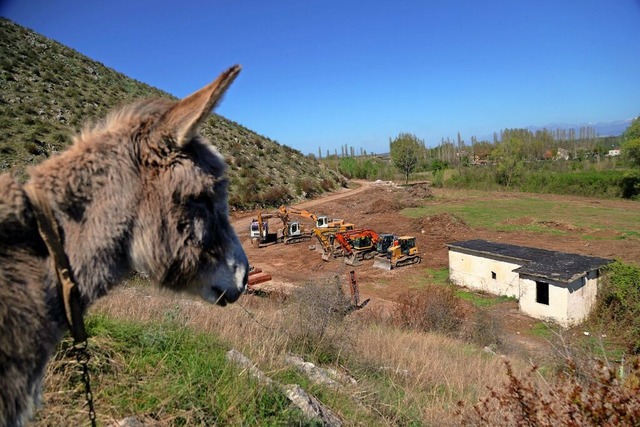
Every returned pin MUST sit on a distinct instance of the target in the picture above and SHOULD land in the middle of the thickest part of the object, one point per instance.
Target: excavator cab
(294, 229)
(385, 242)
(407, 245)
(322, 221)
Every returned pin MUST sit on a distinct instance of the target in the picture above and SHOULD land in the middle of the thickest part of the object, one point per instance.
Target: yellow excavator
(326, 238)
(322, 221)
(403, 251)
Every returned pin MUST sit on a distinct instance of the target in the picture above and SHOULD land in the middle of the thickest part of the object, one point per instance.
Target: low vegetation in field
(423, 363)
(526, 212)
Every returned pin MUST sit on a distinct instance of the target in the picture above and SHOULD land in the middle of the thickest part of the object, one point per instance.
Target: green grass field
(525, 212)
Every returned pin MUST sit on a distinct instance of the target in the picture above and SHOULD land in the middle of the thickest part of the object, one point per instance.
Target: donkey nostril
(245, 279)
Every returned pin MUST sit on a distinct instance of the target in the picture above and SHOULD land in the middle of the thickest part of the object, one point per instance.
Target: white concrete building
(549, 285)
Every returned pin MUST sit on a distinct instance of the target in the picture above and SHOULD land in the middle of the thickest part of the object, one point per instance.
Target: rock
(310, 406)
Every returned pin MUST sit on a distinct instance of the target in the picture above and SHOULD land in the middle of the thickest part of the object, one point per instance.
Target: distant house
(549, 285)
(614, 152)
(563, 154)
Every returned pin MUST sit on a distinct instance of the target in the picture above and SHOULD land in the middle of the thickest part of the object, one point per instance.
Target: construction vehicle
(291, 232)
(259, 230)
(385, 241)
(403, 252)
(357, 245)
(322, 221)
(326, 238)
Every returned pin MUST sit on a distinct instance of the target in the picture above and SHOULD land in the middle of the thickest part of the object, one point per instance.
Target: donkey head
(182, 237)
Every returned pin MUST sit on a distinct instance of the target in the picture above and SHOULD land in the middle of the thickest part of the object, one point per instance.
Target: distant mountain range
(613, 128)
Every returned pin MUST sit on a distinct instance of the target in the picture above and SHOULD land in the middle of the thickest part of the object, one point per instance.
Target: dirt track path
(241, 223)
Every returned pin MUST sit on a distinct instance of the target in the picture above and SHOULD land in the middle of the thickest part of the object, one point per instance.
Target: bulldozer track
(408, 261)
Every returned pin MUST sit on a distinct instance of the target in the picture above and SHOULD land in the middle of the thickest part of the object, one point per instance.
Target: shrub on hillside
(276, 196)
(307, 187)
(599, 398)
(484, 329)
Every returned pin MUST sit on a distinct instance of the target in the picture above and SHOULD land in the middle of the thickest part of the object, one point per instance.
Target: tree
(405, 152)
(631, 150)
(631, 142)
(633, 131)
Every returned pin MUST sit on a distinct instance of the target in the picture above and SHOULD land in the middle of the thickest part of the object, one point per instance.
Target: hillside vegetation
(49, 92)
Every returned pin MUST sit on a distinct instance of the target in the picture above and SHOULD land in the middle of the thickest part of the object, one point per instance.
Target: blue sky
(328, 73)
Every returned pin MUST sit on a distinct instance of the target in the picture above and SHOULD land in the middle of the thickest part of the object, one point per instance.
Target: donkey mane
(124, 117)
(138, 191)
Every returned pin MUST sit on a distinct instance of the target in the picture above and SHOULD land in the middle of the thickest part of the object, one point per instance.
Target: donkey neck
(93, 192)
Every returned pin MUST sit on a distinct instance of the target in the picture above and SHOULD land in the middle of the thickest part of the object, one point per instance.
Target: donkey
(141, 191)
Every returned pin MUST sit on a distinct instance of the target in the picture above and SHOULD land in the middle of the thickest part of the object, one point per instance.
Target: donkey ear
(184, 118)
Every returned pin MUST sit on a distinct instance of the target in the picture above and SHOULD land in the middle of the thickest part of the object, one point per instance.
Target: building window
(542, 293)
(493, 275)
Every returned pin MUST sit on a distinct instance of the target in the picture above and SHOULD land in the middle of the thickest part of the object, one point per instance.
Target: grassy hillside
(49, 91)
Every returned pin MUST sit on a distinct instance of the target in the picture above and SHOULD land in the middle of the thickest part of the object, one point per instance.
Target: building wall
(568, 304)
(583, 299)
(556, 311)
(475, 272)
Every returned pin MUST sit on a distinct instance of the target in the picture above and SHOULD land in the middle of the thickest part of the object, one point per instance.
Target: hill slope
(49, 91)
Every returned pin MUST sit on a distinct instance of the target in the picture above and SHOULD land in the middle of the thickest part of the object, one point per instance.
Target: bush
(600, 398)
(434, 309)
(306, 186)
(630, 185)
(276, 196)
(618, 304)
(317, 327)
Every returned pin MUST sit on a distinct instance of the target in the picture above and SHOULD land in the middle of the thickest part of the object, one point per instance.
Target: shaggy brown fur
(142, 192)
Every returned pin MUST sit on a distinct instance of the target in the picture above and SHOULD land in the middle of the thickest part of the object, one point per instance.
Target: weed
(599, 398)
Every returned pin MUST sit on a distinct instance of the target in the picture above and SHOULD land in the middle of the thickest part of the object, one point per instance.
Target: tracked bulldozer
(402, 252)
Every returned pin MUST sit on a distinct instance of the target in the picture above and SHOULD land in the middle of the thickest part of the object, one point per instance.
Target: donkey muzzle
(229, 280)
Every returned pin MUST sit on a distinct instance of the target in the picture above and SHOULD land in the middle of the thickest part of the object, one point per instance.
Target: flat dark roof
(557, 266)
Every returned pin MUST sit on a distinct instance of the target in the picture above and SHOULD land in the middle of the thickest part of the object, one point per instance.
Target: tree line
(516, 153)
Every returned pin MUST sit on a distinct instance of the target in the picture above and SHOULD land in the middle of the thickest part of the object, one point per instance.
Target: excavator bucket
(352, 260)
(381, 261)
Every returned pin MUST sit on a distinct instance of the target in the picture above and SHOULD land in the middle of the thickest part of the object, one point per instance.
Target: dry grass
(397, 370)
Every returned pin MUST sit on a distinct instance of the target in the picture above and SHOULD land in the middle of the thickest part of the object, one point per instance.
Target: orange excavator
(357, 245)
(327, 238)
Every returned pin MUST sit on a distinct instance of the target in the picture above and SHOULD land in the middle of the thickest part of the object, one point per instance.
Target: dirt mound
(420, 191)
(444, 223)
(562, 226)
(382, 205)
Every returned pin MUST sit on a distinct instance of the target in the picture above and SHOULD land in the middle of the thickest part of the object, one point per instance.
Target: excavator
(322, 221)
(259, 230)
(291, 232)
(326, 237)
(357, 245)
(403, 252)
